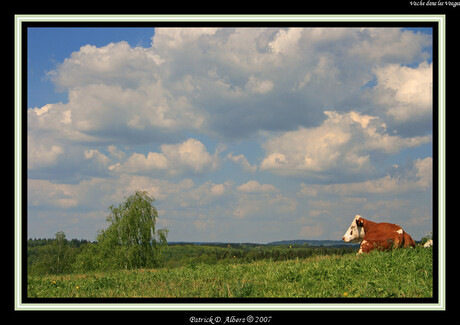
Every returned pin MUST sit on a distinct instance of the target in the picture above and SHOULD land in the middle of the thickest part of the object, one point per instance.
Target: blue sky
(241, 135)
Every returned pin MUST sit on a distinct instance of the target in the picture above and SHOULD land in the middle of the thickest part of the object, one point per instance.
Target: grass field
(399, 273)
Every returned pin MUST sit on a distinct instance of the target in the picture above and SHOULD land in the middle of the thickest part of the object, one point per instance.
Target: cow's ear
(359, 222)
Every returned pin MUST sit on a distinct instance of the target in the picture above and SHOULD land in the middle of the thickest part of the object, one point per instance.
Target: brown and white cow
(374, 235)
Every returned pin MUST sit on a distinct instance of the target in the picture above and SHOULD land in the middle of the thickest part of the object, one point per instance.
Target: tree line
(86, 258)
(193, 255)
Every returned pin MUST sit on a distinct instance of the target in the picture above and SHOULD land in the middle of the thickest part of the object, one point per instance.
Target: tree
(131, 240)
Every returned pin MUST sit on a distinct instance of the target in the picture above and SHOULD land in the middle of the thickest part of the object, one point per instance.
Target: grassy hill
(399, 273)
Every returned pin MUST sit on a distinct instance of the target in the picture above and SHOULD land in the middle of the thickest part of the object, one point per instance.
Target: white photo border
(19, 305)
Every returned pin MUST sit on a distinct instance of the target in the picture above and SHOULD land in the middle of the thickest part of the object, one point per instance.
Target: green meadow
(401, 273)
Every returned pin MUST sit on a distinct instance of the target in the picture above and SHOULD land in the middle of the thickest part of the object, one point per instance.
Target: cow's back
(384, 230)
(384, 227)
(384, 236)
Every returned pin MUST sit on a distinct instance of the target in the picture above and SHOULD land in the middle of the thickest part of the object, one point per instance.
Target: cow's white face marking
(354, 234)
(400, 231)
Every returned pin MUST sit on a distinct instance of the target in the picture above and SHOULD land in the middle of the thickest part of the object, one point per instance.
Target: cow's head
(355, 232)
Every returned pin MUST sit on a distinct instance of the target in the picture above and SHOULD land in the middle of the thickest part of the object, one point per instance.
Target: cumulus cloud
(139, 163)
(110, 112)
(113, 64)
(54, 121)
(190, 155)
(344, 142)
(229, 81)
(405, 92)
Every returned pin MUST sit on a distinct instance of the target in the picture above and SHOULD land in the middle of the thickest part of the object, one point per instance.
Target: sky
(240, 134)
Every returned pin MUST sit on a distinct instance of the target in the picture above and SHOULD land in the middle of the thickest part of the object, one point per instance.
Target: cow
(374, 235)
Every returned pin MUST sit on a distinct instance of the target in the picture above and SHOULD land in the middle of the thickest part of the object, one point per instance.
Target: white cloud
(286, 40)
(100, 109)
(139, 163)
(205, 79)
(178, 38)
(54, 121)
(101, 113)
(343, 142)
(190, 155)
(405, 93)
(115, 63)
(233, 82)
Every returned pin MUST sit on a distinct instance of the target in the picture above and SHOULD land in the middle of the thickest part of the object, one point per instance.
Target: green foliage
(55, 257)
(90, 258)
(130, 241)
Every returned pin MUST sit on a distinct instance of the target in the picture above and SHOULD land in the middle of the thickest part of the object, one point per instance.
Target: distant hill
(316, 243)
(328, 243)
